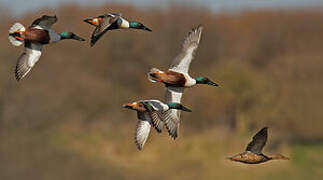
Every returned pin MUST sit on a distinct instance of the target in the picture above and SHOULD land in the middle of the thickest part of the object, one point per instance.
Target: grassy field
(65, 121)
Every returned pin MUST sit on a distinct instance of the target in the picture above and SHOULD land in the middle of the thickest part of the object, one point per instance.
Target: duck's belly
(189, 81)
(252, 158)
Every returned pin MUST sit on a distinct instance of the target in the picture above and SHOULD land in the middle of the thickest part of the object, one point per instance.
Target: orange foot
(18, 31)
(20, 38)
(156, 76)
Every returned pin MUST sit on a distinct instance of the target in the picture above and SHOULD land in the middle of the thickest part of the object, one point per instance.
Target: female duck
(253, 154)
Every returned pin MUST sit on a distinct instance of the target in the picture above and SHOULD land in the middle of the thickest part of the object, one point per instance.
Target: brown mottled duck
(253, 154)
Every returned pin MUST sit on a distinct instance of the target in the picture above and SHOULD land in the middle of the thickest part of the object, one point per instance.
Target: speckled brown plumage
(253, 154)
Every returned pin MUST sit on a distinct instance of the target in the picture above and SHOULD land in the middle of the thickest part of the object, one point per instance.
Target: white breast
(189, 80)
(54, 37)
(124, 24)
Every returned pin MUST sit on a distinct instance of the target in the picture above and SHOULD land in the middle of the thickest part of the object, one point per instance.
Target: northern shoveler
(150, 113)
(34, 37)
(111, 21)
(176, 78)
(253, 154)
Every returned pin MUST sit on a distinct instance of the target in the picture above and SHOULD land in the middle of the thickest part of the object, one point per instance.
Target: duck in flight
(176, 78)
(253, 154)
(150, 113)
(111, 21)
(34, 37)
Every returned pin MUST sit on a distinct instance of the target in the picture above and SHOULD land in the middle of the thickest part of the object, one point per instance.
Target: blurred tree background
(65, 121)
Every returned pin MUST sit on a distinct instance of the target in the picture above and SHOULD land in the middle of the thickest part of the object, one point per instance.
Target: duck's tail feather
(152, 74)
(14, 35)
(16, 27)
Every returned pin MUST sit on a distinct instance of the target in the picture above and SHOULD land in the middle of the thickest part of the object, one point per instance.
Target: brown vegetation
(65, 121)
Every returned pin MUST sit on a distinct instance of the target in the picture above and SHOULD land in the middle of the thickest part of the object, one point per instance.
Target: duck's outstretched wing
(183, 60)
(171, 117)
(258, 141)
(27, 59)
(45, 22)
(106, 21)
(157, 120)
(155, 111)
(142, 129)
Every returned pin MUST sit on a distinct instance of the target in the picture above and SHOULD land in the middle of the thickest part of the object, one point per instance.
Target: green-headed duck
(176, 78)
(34, 37)
(111, 21)
(151, 113)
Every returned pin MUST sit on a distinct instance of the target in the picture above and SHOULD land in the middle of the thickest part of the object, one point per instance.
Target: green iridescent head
(70, 35)
(204, 80)
(138, 25)
(178, 106)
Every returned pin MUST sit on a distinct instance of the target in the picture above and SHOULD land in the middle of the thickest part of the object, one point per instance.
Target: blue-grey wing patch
(45, 21)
